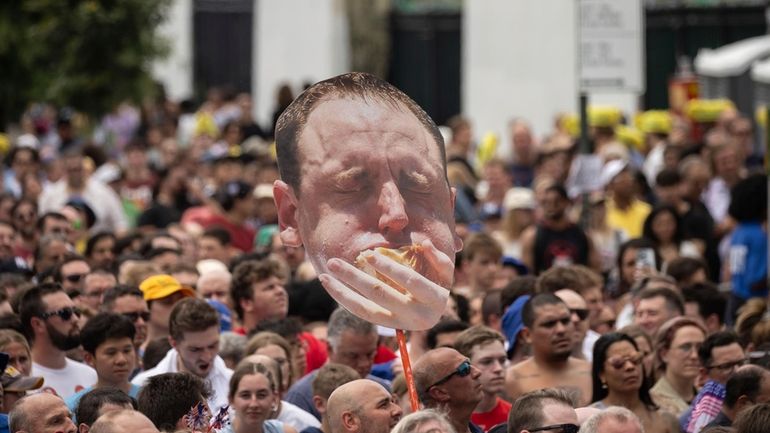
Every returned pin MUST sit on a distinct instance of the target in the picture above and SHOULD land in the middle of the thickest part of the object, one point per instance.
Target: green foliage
(88, 54)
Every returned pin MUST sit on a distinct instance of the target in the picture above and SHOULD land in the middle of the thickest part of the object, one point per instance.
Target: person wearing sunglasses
(720, 355)
(445, 379)
(619, 380)
(486, 350)
(51, 318)
(71, 273)
(549, 410)
(550, 331)
(584, 336)
(676, 350)
(129, 301)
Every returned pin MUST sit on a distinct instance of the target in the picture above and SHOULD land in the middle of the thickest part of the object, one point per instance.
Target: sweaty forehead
(336, 123)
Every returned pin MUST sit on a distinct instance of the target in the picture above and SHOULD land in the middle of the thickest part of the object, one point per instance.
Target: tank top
(559, 247)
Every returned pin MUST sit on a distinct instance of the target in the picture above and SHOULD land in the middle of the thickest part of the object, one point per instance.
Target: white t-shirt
(65, 382)
(294, 416)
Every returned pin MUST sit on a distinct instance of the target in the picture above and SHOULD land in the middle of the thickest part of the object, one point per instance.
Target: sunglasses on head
(65, 313)
(462, 370)
(562, 428)
(582, 313)
(618, 362)
(74, 278)
(135, 315)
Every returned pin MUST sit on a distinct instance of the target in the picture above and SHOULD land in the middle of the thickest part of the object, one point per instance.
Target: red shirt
(241, 237)
(498, 414)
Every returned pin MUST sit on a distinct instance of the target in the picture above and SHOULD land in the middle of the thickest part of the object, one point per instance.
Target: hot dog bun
(410, 255)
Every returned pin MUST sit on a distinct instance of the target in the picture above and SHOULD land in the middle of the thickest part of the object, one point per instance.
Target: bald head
(123, 421)
(433, 366)
(41, 413)
(363, 406)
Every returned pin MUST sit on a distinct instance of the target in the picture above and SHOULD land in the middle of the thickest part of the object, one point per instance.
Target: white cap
(612, 169)
(28, 140)
(519, 198)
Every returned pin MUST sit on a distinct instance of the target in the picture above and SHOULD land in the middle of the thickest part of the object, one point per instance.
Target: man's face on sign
(371, 176)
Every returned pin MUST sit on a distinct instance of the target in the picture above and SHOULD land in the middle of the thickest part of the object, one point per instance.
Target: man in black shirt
(556, 241)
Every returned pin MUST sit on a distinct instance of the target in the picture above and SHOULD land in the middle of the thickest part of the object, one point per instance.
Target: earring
(604, 385)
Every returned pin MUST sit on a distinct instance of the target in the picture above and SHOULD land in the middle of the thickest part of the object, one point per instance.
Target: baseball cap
(14, 381)
(519, 198)
(160, 286)
(612, 169)
(513, 321)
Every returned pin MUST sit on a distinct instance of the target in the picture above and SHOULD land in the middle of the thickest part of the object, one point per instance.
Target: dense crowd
(154, 275)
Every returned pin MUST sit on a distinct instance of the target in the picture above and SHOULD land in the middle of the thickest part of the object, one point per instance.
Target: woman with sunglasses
(676, 355)
(619, 380)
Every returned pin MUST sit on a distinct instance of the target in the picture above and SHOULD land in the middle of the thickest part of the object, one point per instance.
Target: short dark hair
(527, 410)
(31, 305)
(103, 327)
(69, 258)
(250, 272)
(219, 233)
(745, 381)
(709, 299)
(191, 315)
(717, 339)
(519, 286)
(361, 86)
(668, 177)
(166, 398)
(289, 327)
(155, 351)
(683, 268)
(528, 312)
(558, 189)
(442, 327)
(674, 301)
(93, 240)
(748, 199)
(40, 224)
(87, 410)
(113, 293)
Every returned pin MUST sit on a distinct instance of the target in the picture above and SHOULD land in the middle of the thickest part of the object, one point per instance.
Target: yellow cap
(631, 137)
(160, 286)
(5, 144)
(707, 110)
(571, 124)
(205, 125)
(654, 122)
(603, 116)
(761, 116)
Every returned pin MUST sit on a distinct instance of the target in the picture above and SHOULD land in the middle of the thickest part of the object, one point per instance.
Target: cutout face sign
(363, 174)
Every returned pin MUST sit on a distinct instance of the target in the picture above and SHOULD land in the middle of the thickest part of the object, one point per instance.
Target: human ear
(88, 358)
(526, 334)
(287, 204)
(458, 242)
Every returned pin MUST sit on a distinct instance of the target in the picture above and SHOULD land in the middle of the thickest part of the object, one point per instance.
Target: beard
(63, 342)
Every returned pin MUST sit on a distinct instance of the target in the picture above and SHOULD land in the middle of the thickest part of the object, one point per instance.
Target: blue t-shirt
(4, 423)
(748, 260)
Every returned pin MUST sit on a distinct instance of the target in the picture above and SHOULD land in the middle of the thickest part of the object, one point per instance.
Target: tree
(88, 54)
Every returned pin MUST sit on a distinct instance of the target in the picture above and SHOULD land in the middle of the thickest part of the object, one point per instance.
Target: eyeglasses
(74, 278)
(65, 313)
(96, 294)
(563, 428)
(582, 313)
(727, 366)
(618, 362)
(462, 370)
(135, 315)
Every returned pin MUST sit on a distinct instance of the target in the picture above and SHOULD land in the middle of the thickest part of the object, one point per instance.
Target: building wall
(520, 60)
(296, 41)
(176, 70)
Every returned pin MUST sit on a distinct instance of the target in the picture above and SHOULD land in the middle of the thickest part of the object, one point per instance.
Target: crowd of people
(149, 281)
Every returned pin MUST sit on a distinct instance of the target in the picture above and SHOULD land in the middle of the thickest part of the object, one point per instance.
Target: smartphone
(645, 258)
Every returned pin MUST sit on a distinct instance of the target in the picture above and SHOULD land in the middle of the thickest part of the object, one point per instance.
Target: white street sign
(611, 51)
